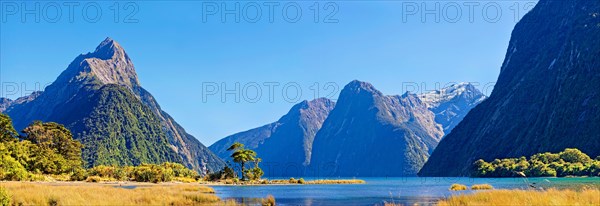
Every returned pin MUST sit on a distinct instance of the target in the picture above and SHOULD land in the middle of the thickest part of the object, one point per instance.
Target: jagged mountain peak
(312, 104)
(452, 103)
(463, 89)
(108, 49)
(108, 64)
(409, 95)
(358, 87)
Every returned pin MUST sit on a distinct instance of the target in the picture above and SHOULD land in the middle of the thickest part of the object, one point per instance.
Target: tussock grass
(482, 187)
(27, 193)
(526, 197)
(458, 187)
(268, 201)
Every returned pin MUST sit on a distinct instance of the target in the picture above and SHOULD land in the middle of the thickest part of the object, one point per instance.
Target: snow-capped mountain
(451, 104)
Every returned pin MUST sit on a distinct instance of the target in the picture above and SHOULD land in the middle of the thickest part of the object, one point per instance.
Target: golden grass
(526, 197)
(482, 187)
(79, 193)
(458, 187)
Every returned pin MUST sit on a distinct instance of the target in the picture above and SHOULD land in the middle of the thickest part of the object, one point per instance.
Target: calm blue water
(405, 191)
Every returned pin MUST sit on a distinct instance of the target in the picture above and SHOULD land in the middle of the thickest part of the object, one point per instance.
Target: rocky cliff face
(4, 104)
(370, 134)
(451, 104)
(546, 98)
(285, 146)
(102, 87)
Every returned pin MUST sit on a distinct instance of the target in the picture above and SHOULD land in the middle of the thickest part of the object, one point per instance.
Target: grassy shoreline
(284, 182)
(586, 196)
(84, 193)
(133, 193)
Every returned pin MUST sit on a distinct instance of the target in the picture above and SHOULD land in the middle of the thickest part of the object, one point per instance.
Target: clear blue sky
(175, 51)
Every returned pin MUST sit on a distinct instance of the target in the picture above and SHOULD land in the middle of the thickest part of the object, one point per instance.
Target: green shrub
(5, 197)
(254, 173)
(11, 169)
(301, 181)
(94, 179)
(458, 187)
(293, 181)
(38, 177)
(79, 175)
(225, 173)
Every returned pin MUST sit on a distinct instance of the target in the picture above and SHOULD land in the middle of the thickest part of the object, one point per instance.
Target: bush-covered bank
(570, 162)
(164, 172)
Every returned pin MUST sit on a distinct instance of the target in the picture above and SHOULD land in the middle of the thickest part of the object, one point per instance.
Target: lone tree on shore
(241, 155)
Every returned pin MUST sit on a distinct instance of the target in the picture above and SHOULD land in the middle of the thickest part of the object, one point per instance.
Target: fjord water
(404, 190)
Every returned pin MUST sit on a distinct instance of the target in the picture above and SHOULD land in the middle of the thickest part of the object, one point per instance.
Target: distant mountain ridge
(546, 98)
(284, 155)
(370, 134)
(287, 142)
(100, 99)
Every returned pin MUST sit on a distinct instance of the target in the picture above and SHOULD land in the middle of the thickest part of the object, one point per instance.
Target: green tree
(255, 173)
(483, 169)
(241, 155)
(7, 130)
(574, 156)
(57, 152)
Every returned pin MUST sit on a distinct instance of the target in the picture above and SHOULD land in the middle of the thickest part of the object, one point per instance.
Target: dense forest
(570, 162)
